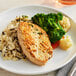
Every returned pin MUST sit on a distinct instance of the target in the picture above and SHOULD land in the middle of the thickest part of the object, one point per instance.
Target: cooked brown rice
(9, 45)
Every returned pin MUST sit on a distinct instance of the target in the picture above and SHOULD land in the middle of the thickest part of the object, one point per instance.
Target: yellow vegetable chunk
(65, 23)
(66, 43)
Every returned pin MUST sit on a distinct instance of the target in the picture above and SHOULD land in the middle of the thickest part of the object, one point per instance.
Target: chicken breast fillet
(34, 42)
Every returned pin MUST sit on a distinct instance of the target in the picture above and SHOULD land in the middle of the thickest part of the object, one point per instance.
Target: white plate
(60, 57)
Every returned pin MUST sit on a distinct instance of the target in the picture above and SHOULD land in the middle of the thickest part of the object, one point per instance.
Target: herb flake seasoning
(40, 33)
(31, 25)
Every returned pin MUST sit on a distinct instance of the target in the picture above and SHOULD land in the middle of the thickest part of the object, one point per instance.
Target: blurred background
(6, 4)
(66, 5)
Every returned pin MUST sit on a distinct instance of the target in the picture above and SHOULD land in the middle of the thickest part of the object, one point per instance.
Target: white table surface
(6, 4)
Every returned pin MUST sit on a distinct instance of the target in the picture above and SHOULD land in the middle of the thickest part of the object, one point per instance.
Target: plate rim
(47, 71)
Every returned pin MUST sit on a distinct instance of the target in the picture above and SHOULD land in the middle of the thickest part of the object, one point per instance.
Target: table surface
(7, 4)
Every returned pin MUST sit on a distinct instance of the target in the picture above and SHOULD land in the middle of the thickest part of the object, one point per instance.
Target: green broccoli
(50, 23)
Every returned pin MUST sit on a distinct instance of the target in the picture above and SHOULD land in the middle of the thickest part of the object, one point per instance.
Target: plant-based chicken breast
(34, 42)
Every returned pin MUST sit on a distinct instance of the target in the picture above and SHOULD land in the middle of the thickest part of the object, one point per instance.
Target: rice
(9, 45)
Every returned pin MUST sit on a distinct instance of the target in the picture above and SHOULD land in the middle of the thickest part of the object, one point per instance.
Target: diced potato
(66, 43)
(65, 23)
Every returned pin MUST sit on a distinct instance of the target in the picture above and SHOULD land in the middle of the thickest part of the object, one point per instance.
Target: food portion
(66, 43)
(35, 38)
(50, 23)
(34, 42)
(65, 23)
(55, 45)
(55, 25)
(9, 44)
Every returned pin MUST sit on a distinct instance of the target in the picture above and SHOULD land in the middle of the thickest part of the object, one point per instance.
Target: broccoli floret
(50, 23)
